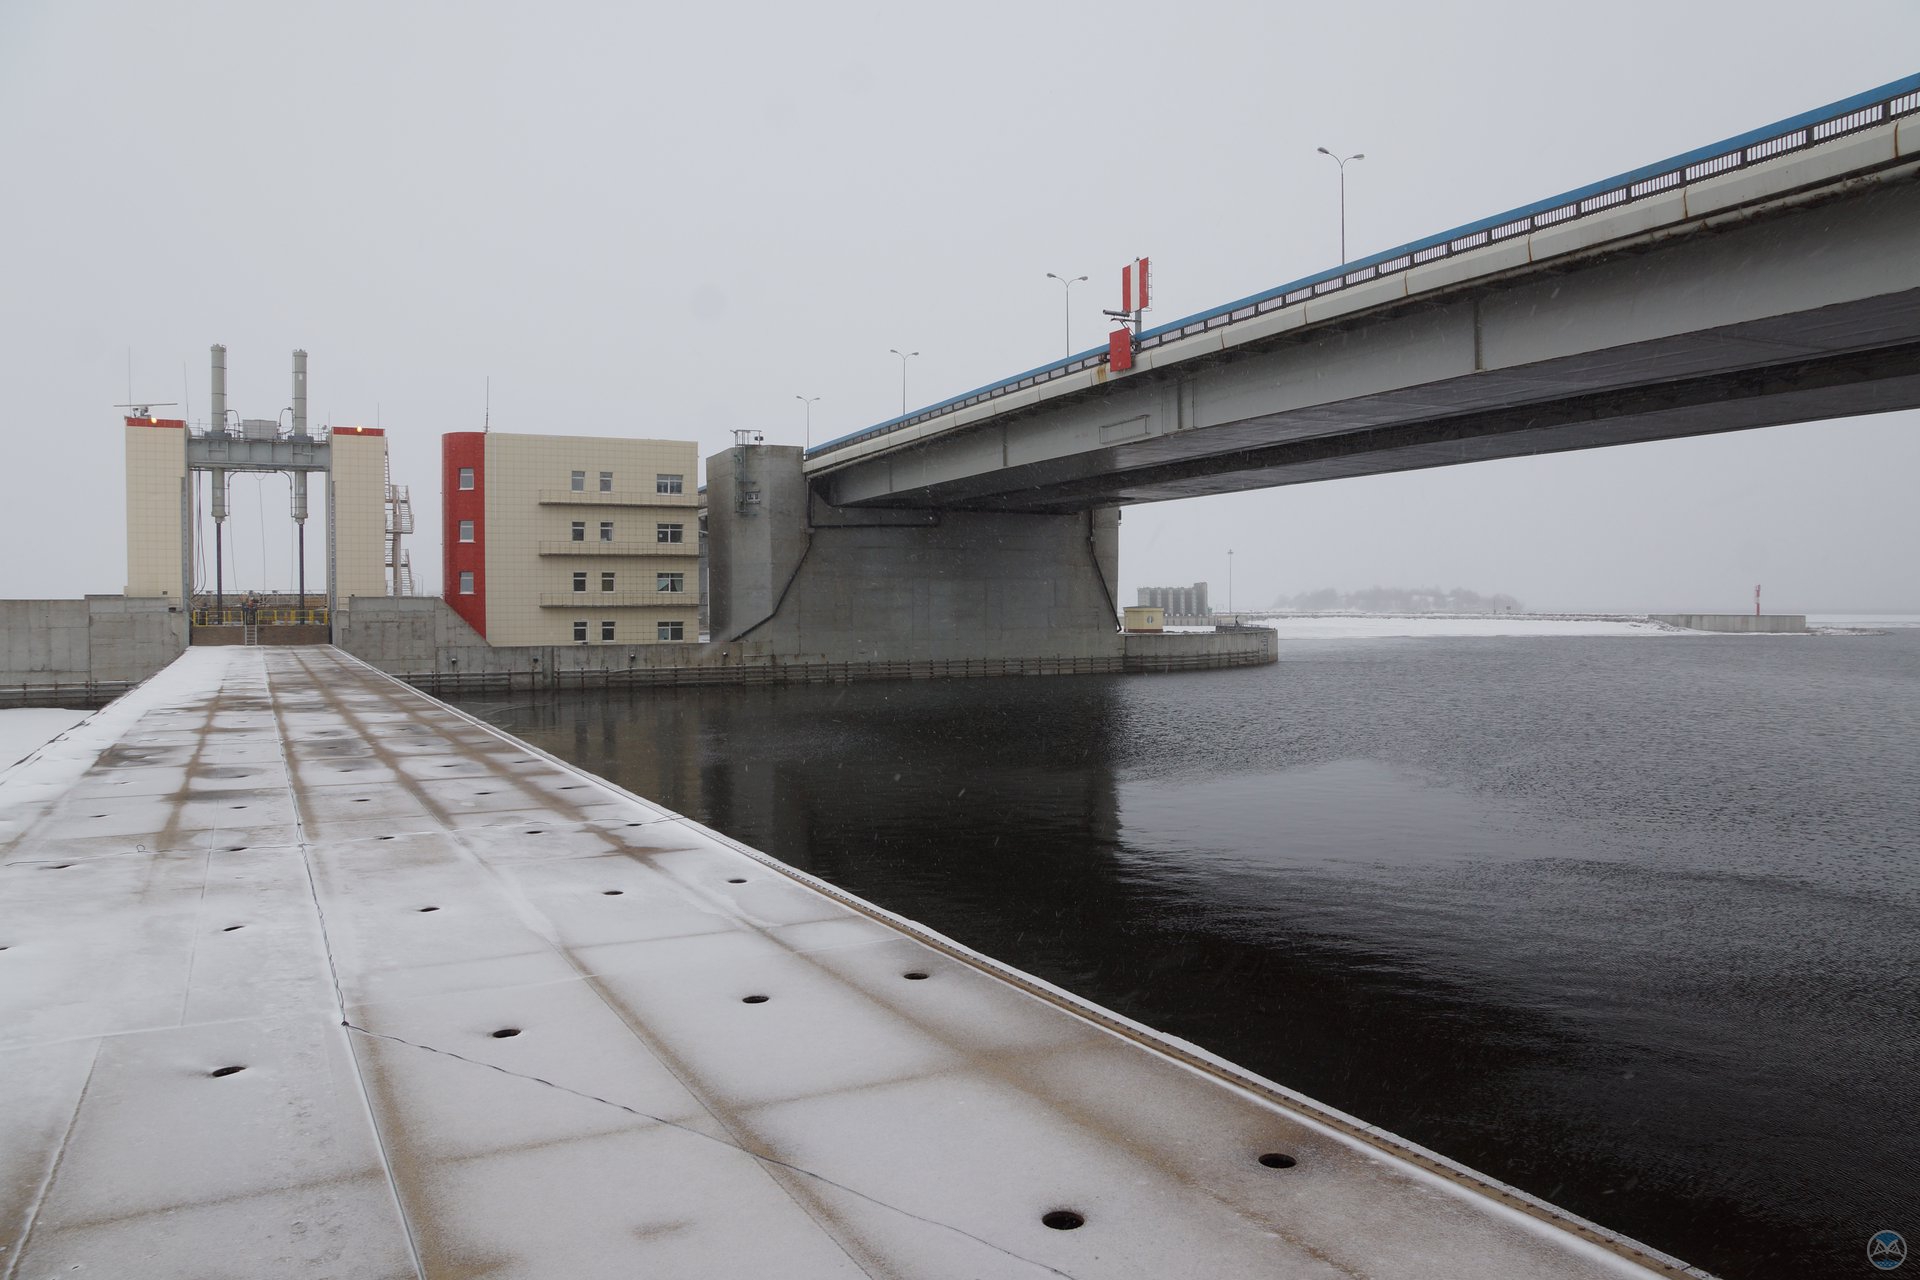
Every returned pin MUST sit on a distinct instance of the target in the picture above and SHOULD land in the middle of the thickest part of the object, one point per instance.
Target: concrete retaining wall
(52, 652)
(1742, 623)
(1193, 651)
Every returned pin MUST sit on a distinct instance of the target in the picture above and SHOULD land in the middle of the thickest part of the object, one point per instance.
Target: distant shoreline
(1351, 624)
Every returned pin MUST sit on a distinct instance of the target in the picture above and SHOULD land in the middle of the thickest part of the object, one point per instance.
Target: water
(1628, 922)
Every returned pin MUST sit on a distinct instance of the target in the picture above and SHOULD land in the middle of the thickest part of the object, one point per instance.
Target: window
(466, 531)
(579, 633)
(466, 582)
(606, 631)
(606, 531)
(466, 477)
(671, 582)
(606, 582)
(670, 631)
(666, 484)
(579, 530)
(606, 482)
(670, 532)
(578, 483)
(580, 583)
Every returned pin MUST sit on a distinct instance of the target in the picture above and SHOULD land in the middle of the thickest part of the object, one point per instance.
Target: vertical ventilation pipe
(300, 477)
(219, 482)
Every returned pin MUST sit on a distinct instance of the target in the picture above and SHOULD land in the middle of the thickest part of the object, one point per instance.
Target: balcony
(568, 547)
(618, 599)
(594, 498)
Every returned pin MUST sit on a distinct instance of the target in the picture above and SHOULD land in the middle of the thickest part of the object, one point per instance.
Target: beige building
(571, 539)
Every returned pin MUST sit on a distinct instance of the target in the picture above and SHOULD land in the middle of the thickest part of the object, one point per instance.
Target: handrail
(1810, 128)
(262, 616)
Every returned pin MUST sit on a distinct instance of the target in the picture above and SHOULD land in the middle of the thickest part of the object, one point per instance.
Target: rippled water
(1628, 922)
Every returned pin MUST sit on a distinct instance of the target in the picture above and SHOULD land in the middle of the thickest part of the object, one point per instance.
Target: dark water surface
(1628, 922)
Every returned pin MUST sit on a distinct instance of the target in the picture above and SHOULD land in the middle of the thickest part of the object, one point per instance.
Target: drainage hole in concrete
(1276, 1160)
(1062, 1220)
(574, 787)
(753, 1000)
(915, 976)
(236, 806)
(612, 893)
(236, 848)
(230, 928)
(737, 880)
(361, 800)
(59, 866)
(506, 1033)
(429, 909)
(383, 837)
(225, 1071)
(533, 833)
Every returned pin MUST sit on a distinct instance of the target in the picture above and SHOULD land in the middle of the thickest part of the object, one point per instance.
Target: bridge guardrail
(1823, 124)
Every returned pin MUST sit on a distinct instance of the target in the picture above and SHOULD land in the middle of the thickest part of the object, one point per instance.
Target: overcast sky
(670, 221)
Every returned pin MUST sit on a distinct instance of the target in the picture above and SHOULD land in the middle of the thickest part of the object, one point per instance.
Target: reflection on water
(1627, 922)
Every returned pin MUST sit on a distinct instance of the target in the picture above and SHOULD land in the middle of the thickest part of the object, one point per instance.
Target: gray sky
(670, 221)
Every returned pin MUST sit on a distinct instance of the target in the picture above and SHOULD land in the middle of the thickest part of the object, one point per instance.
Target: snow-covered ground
(24, 730)
(1350, 626)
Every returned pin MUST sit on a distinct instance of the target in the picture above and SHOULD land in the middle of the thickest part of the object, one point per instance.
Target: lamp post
(808, 401)
(1068, 303)
(904, 357)
(1342, 162)
(1230, 583)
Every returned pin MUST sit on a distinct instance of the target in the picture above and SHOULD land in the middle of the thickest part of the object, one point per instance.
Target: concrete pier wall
(795, 579)
(1737, 623)
(53, 651)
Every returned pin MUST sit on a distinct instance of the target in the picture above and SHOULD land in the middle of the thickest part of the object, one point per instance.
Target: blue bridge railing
(1849, 115)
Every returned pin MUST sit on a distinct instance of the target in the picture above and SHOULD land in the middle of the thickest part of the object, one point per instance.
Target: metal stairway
(399, 522)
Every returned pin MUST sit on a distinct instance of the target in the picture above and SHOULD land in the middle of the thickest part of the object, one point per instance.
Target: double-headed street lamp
(809, 402)
(1068, 303)
(904, 357)
(1342, 162)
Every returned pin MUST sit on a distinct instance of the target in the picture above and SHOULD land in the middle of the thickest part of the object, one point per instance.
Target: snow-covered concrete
(306, 974)
(24, 730)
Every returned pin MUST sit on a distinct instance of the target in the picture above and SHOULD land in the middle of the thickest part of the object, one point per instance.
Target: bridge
(1769, 278)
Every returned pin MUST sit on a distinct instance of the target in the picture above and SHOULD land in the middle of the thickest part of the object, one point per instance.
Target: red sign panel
(1133, 286)
(1120, 350)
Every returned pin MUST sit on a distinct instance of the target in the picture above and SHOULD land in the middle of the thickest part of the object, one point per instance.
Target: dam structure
(304, 973)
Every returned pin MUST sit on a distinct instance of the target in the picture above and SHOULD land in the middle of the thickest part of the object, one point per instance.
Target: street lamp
(1342, 162)
(1230, 584)
(1068, 300)
(808, 401)
(904, 357)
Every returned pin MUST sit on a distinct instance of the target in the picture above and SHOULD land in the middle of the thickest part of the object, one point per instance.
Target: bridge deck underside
(486, 1014)
(1799, 316)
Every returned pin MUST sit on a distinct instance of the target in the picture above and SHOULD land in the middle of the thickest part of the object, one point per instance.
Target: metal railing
(1823, 124)
(265, 617)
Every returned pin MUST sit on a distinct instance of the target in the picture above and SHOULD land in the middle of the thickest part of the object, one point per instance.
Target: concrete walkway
(306, 974)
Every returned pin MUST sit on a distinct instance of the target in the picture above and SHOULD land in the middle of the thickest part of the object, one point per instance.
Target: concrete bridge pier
(793, 578)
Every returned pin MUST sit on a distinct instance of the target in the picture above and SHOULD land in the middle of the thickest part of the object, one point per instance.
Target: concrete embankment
(303, 974)
(425, 643)
(1737, 623)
